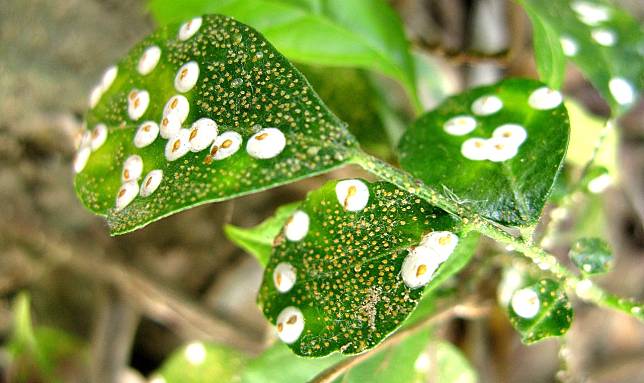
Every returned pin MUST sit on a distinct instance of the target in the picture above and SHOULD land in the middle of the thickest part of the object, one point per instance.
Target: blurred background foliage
(176, 300)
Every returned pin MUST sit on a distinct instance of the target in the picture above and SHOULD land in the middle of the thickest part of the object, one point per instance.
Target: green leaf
(278, 364)
(243, 84)
(591, 255)
(550, 59)
(258, 240)
(506, 179)
(393, 364)
(199, 362)
(540, 311)
(604, 42)
(347, 269)
(359, 33)
(452, 365)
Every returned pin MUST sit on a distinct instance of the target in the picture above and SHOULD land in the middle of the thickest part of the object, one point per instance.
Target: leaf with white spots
(258, 240)
(351, 286)
(503, 168)
(540, 311)
(604, 42)
(215, 111)
(201, 362)
(591, 255)
(358, 33)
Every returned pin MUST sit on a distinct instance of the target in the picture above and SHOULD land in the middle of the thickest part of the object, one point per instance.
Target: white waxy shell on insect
(138, 101)
(81, 158)
(189, 28)
(195, 353)
(590, 13)
(225, 145)
(622, 90)
(186, 77)
(500, 150)
(475, 149)
(512, 133)
(126, 194)
(132, 168)
(108, 77)
(460, 125)
(486, 105)
(569, 46)
(297, 226)
(353, 195)
(600, 183)
(202, 133)
(290, 324)
(419, 266)
(544, 98)
(265, 144)
(177, 105)
(525, 303)
(151, 182)
(170, 125)
(95, 95)
(99, 136)
(442, 242)
(178, 146)
(605, 37)
(146, 134)
(149, 60)
(284, 277)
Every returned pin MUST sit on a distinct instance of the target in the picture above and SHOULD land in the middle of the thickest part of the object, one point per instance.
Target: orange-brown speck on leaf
(207, 160)
(422, 269)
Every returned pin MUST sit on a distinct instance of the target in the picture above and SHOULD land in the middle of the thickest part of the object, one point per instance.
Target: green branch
(583, 288)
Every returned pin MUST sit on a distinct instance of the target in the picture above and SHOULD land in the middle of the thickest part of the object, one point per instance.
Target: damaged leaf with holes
(540, 311)
(495, 149)
(351, 264)
(603, 41)
(199, 112)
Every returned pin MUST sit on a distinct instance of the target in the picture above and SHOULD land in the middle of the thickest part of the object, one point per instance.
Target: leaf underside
(511, 192)
(348, 267)
(244, 85)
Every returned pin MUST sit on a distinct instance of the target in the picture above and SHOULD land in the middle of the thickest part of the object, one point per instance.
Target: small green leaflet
(258, 240)
(605, 42)
(349, 266)
(496, 148)
(209, 78)
(365, 34)
(591, 255)
(452, 365)
(540, 311)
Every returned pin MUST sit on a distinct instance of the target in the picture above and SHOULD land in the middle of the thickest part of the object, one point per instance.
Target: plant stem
(545, 261)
